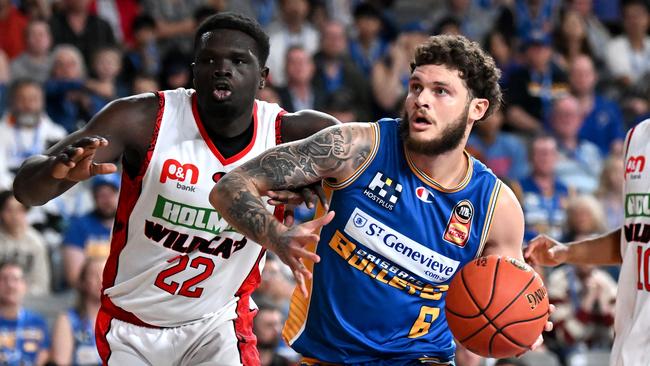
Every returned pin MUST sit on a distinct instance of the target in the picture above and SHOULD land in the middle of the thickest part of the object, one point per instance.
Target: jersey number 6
(186, 288)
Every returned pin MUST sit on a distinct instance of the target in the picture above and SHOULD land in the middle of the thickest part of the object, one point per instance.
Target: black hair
(367, 10)
(229, 20)
(19, 84)
(143, 21)
(4, 198)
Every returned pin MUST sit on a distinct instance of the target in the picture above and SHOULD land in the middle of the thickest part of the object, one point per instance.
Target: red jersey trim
(211, 145)
(246, 340)
(278, 127)
(129, 194)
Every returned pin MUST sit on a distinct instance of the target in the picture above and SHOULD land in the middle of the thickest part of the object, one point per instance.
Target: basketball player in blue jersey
(176, 288)
(412, 207)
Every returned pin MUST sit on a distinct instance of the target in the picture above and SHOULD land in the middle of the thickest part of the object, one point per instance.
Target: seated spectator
(585, 218)
(610, 189)
(175, 72)
(500, 48)
(276, 286)
(144, 56)
(603, 121)
(291, 29)
(21, 244)
(369, 46)
(144, 84)
(268, 94)
(89, 235)
(341, 106)
(73, 24)
(26, 129)
(24, 336)
(544, 196)
(104, 86)
(36, 61)
(534, 16)
(584, 298)
(174, 22)
(336, 72)
(502, 152)
(532, 88)
(267, 326)
(12, 27)
(580, 163)
(570, 39)
(300, 93)
(628, 55)
(474, 22)
(73, 334)
(597, 33)
(64, 90)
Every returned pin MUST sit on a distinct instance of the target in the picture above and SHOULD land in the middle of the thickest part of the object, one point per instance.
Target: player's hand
(546, 251)
(290, 248)
(310, 195)
(76, 162)
(547, 328)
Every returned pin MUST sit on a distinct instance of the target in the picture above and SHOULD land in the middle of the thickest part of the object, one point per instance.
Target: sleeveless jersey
(632, 321)
(174, 259)
(84, 351)
(387, 258)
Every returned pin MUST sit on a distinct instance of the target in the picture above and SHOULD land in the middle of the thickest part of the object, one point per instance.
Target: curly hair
(228, 20)
(476, 68)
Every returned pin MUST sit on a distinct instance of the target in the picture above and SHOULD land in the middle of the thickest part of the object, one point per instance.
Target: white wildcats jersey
(173, 259)
(632, 322)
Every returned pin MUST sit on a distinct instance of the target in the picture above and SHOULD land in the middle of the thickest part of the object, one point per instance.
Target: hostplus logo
(174, 170)
(384, 191)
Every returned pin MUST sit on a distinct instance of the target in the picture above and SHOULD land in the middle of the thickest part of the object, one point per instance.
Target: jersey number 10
(643, 261)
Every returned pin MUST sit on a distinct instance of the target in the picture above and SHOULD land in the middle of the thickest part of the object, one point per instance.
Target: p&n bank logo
(174, 170)
(634, 166)
(384, 191)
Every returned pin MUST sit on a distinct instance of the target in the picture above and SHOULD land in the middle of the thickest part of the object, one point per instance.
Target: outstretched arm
(334, 153)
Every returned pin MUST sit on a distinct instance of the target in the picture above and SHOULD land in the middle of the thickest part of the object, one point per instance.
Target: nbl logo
(384, 191)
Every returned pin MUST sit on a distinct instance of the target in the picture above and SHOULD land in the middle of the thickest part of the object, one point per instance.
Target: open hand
(76, 161)
(546, 251)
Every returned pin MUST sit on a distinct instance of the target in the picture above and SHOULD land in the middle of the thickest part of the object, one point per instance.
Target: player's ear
(477, 108)
(264, 73)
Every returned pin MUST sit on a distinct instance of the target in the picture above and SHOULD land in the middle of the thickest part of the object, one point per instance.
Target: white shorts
(206, 342)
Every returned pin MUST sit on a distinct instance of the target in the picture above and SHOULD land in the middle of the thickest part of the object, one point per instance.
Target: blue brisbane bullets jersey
(378, 293)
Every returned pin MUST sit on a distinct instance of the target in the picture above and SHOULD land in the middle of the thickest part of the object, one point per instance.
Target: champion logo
(424, 194)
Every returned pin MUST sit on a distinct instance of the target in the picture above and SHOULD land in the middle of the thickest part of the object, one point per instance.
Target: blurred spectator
(264, 11)
(144, 84)
(341, 106)
(20, 243)
(12, 28)
(73, 333)
(74, 25)
(603, 121)
(24, 336)
(105, 86)
(175, 72)
(119, 14)
(390, 76)
(292, 29)
(534, 16)
(584, 298)
(267, 326)
(585, 218)
(499, 46)
(628, 55)
(545, 197)
(144, 56)
(64, 90)
(268, 94)
(580, 163)
(5, 76)
(26, 129)
(502, 152)
(299, 93)
(597, 34)
(336, 73)
(89, 235)
(570, 39)
(174, 22)
(531, 89)
(448, 25)
(36, 9)
(35, 62)
(610, 189)
(368, 47)
(276, 285)
(475, 22)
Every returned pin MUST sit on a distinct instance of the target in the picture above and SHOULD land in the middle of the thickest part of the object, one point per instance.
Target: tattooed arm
(334, 153)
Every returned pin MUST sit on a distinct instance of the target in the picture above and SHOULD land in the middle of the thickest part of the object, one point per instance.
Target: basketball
(497, 306)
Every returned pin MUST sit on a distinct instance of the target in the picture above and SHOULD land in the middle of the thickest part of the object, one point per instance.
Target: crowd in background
(575, 78)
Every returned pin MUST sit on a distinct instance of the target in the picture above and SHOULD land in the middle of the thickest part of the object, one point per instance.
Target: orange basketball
(497, 306)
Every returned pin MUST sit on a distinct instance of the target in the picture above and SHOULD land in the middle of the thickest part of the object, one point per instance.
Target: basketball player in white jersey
(628, 246)
(177, 282)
